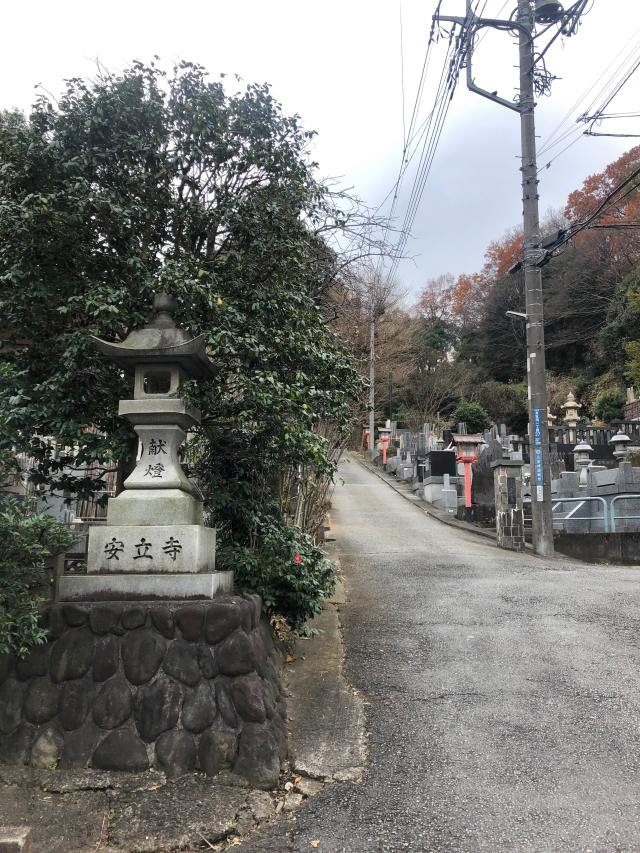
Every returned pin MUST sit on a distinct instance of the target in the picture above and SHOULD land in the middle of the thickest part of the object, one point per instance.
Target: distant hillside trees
(591, 303)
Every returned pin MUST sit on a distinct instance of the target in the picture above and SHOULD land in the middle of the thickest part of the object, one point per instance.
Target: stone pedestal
(508, 496)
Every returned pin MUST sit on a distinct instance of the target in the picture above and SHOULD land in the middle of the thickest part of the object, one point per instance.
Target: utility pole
(538, 427)
(372, 378)
(548, 11)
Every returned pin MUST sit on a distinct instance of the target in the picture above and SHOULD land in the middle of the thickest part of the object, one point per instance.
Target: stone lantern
(467, 453)
(571, 415)
(385, 438)
(582, 459)
(154, 544)
(620, 442)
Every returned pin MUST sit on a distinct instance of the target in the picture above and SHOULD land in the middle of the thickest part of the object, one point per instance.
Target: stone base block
(15, 839)
(111, 587)
(153, 508)
(140, 549)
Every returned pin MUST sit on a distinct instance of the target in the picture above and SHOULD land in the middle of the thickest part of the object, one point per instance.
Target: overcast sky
(338, 65)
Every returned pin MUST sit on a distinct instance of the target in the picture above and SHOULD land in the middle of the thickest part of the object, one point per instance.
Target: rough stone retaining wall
(129, 686)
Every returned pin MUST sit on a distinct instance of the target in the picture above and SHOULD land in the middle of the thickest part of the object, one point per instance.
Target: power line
(408, 137)
(573, 134)
(433, 132)
(550, 246)
(404, 129)
(556, 138)
(549, 141)
(600, 113)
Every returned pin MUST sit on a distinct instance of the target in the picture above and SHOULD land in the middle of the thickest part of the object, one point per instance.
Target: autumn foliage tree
(591, 304)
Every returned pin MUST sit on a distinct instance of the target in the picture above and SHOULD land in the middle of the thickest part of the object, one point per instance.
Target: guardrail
(612, 509)
(605, 509)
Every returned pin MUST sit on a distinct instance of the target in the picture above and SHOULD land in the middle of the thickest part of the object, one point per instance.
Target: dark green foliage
(473, 415)
(577, 292)
(622, 322)
(432, 340)
(609, 405)
(505, 404)
(401, 417)
(286, 569)
(29, 538)
(499, 345)
(143, 182)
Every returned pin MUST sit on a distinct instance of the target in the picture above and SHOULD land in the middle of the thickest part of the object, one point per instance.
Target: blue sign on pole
(539, 479)
(537, 426)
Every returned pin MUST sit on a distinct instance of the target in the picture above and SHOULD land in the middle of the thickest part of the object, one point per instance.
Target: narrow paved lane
(503, 691)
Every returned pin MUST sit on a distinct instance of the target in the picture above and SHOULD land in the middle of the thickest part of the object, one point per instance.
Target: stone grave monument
(154, 544)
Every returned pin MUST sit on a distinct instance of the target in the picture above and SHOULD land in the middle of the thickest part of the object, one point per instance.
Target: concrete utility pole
(372, 379)
(533, 253)
(538, 427)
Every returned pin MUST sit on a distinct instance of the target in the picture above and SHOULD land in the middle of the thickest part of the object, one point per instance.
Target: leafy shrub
(291, 574)
(609, 405)
(28, 539)
(505, 404)
(473, 415)
(401, 417)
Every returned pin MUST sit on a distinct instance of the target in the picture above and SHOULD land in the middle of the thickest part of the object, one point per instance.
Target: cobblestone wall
(130, 686)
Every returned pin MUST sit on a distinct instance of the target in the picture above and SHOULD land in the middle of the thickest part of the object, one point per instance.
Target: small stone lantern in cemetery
(620, 442)
(385, 438)
(582, 460)
(467, 453)
(154, 544)
(571, 415)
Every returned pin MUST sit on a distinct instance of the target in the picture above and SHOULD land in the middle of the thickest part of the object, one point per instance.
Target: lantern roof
(160, 341)
(583, 447)
(474, 438)
(571, 402)
(619, 438)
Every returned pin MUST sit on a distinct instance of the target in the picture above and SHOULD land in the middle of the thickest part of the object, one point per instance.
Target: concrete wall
(601, 547)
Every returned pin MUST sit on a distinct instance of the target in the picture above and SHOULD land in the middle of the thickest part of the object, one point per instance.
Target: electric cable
(551, 141)
(443, 100)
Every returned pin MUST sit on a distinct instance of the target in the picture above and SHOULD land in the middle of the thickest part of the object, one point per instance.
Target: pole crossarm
(471, 24)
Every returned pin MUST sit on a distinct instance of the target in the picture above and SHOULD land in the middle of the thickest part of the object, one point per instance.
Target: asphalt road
(503, 693)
